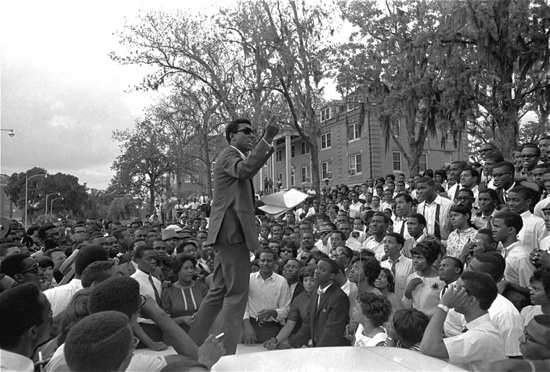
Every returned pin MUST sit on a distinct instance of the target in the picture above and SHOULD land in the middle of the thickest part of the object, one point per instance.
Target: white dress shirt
(146, 289)
(271, 293)
(61, 296)
(533, 230)
(505, 316)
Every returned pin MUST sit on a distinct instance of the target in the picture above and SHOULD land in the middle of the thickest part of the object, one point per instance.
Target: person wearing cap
(171, 239)
(232, 230)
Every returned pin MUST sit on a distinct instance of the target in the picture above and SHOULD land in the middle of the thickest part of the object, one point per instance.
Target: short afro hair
(376, 308)
(119, 294)
(20, 309)
(410, 324)
(96, 272)
(481, 286)
(99, 342)
(87, 255)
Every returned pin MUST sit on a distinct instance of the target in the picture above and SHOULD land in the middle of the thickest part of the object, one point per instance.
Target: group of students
(453, 264)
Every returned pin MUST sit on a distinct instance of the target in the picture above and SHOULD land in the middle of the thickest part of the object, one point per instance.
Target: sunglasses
(246, 131)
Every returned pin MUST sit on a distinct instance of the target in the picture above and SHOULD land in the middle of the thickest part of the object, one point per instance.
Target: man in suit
(232, 231)
(327, 318)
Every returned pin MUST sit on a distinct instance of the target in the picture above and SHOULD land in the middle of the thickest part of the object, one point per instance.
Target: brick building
(351, 150)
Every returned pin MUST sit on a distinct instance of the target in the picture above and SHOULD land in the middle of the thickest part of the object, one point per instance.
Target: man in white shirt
(145, 257)
(400, 266)
(356, 206)
(268, 302)
(434, 208)
(472, 296)
(403, 209)
(533, 231)
(378, 229)
(61, 296)
(518, 270)
(455, 169)
(502, 312)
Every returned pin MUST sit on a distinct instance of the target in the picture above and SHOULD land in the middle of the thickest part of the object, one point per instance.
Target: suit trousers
(228, 296)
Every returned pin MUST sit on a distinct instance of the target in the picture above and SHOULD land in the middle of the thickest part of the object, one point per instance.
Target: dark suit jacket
(325, 324)
(234, 195)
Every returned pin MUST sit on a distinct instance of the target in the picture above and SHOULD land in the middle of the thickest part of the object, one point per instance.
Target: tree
(182, 44)
(505, 48)
(143, 160)
(75, 197)
(191, 123)
(287, 42)
(393, 64)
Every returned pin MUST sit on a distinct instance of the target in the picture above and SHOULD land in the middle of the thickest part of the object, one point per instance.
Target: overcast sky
(60, 92)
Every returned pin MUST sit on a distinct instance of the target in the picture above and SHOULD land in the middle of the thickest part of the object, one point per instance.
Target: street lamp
(51, 205)
(53, 193)
(10, 132)
(27, 178)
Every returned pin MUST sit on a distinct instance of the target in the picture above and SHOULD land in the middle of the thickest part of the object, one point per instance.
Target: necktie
(157, 296)
(444, 289)
(320, 294)
(393, 263)
(403, 226)
(489, 225)
(437, 233)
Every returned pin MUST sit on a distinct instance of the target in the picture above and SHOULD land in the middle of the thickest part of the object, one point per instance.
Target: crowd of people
(452, 263)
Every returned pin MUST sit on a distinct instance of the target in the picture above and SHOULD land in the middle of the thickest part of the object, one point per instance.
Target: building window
(279, 155)
(305, 174)
(326, 141)
(396, 161)
(292, 177)
(423, 162)
(350, 106)
(291, 151)
(325, 114)
(354, 132)
(354, 164)
(326, 169)
(304, 147)
(395, 127)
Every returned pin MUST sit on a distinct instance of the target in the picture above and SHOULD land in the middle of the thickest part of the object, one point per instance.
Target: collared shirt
(10, 361)
(243, 156)
(411, 243)
(480, 222)
(271, 293)
(374, 246)
(457, 240)
(482, 342)
(400, 224)
(429, 211)
(321, 292)
(401, 269)
(146, 289)
(355, 209)
(533, 230)
(61, 296)
(518, 268)
(451, 191)
(504, 315)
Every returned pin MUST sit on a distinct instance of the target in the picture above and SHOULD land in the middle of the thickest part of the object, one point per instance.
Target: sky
(60, 92)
